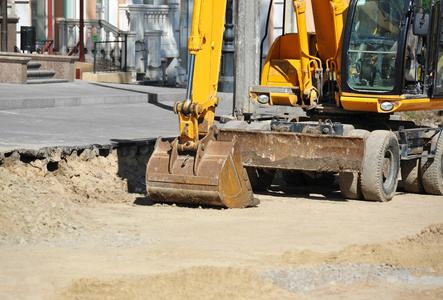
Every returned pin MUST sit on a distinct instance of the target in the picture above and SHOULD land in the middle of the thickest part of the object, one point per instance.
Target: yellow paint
(372, 103)
(292, 62)
(292, 59)
(205, 42)
(283, 99)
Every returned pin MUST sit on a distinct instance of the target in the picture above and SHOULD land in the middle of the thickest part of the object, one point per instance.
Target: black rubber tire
(410, 175)
(260, 179)
(294, 178)
(381, 166)
(319, 178)
(350, 182)
(350, 185)
(432, 170)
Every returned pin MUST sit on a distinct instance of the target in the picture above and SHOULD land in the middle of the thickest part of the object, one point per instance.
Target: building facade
(61, 24)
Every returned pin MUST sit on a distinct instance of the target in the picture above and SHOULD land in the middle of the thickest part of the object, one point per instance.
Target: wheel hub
(387, 167)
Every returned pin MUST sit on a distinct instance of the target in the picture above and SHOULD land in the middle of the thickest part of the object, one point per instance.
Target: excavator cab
(436, 55)
(391, 51)
(373, 45)
(363, 53)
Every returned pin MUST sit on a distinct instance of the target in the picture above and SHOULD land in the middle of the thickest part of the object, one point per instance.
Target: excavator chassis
(214, 175)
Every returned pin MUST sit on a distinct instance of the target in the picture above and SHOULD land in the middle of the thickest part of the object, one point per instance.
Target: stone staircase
(37, 76)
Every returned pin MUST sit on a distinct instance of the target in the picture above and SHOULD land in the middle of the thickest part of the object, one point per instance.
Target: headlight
(263, 99)
(386, 106)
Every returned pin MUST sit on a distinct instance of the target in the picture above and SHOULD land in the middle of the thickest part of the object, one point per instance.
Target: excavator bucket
(211, 176)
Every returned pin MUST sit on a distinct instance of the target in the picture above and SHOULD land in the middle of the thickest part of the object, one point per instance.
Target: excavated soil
(76, 224)
(38, 195)
(429, 118)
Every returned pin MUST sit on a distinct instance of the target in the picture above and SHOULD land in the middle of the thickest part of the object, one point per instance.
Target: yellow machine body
(303, 69)
(295, 61)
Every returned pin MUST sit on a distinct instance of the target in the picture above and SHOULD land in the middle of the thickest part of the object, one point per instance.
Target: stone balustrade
(105, 32)
(146, 21)
(150, 31)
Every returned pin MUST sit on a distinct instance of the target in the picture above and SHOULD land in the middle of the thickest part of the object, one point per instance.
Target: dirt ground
(70, 230)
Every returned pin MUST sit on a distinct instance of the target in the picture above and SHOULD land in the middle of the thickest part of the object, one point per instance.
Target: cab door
(436, 50)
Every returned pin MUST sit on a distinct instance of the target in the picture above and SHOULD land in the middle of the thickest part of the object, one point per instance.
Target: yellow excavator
(366, 60)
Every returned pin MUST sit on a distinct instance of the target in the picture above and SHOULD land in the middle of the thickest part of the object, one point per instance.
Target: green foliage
(423, 3)
(412, 115)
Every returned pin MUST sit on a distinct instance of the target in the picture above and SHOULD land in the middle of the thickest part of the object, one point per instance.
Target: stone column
(131, 51)
(124, 17)
(62, 37)
(140, 56)
(99, 46)
(153, 69)
(136, 20)
(71, 40)
(172, 70)
(175, 16)
(247, 54)
(117, 54)
(107, 45)
(164, 21)
(89, 43)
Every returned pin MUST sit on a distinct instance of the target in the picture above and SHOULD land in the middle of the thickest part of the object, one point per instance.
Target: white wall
(278, 18)
(23, 11)
(113, 12)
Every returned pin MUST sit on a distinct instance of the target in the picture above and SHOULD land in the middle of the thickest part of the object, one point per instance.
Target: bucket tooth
(211, 176)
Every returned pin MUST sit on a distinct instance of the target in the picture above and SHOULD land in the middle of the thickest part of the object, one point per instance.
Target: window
(39, 18)
(373, 44)
(439, 75)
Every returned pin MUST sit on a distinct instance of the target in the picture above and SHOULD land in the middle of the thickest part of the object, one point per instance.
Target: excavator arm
(196, 168)
(196, 113)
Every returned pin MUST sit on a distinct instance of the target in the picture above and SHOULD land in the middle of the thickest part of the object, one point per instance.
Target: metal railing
(43, 46)
(110, 56)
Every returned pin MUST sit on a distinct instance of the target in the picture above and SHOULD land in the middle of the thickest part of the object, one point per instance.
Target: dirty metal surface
(296, 151)
(211, 176)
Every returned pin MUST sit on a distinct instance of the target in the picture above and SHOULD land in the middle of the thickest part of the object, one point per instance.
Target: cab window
(374, 44)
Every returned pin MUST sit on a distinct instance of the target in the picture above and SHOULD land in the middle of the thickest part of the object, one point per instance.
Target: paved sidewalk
(82, 113)
(22, 96)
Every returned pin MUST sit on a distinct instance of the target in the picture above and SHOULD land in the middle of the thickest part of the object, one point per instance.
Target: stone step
(51, 80)
(34, 65)
(40, 74)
